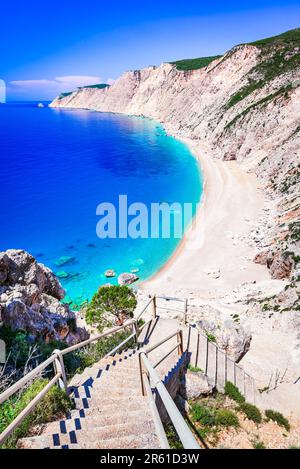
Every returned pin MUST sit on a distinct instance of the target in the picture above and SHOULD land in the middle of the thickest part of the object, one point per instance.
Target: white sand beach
(220, 255)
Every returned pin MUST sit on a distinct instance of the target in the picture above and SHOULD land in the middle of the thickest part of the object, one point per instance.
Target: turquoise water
(58, 165)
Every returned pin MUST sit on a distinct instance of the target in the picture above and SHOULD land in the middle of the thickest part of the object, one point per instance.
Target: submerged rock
(127, 278)
(62, 274)
(63, 260)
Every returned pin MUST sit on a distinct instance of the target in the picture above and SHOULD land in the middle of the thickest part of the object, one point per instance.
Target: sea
(58, 165)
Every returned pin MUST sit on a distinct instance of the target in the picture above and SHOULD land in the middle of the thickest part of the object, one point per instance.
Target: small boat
(41, 105)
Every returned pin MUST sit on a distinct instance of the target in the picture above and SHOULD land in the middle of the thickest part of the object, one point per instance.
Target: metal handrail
(158, 344)
(144, 309)
(184, 433)
(57, 359)
(165, 356)
(97, 337)
(19, 384)
(156, 418)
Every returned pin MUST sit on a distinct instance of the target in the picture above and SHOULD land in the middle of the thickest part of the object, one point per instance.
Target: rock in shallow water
(127, 279)
(110, 273)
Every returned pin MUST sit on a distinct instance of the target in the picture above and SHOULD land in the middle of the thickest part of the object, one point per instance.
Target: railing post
(142, 372)
(180, 342)
(60, 368)
(185, 311)
(154, 306)
(135, 331)
(206, 360)
(197, 349)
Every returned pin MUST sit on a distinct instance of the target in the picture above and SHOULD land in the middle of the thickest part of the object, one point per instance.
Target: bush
(226, 418)
(258, 445)
(232, 391)
(278, 418)
(251, 412)
(53, 405)
(116, 301)
(194, 369)
(172, 437)
(203, 415)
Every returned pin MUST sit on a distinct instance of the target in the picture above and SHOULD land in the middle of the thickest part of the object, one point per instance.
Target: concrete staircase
(110, 410)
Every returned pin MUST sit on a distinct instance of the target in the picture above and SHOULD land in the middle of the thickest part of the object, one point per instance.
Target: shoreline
(220, 255)
(231, 206)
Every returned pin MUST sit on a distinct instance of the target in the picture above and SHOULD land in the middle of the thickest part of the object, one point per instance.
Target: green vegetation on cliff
(100, 86)
(65, 95)
(194, 64)
(279, 55)
(288, 39)
(54, 405)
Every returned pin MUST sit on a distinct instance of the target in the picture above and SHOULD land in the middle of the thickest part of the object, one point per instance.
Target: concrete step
(97, 419)
(111, 406)
(85, 437)
(90, 399)
(142, 441)
(110, 399)
(97, 370)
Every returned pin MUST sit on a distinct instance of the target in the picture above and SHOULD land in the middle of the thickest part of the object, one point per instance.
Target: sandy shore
(231, 207)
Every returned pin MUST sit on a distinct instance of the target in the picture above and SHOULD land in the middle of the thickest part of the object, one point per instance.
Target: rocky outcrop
(127, 278)
(30, 297)
(244, 106)
(280, 264)
(196, 384)
(228, 332)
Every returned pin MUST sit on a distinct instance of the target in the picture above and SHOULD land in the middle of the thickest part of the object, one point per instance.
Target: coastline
(220, 255)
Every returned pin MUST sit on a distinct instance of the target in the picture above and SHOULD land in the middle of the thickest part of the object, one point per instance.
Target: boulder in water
(127, 278)
(110, 273)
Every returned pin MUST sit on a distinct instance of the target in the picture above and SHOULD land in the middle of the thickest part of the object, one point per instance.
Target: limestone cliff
(243, 106)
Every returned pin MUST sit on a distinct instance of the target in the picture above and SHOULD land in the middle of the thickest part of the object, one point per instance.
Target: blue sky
(49, 47)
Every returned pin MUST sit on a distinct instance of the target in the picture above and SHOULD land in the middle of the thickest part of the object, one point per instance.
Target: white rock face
(261, 131)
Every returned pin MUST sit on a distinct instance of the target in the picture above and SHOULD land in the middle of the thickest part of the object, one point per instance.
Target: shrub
(258, 445)
(210, 337)
(203, 415)
(172, 437)
(278, 418)
(226, 418)
(116, 301)
(194, 369)
(53, 405)
(251, 412)
(232, 391)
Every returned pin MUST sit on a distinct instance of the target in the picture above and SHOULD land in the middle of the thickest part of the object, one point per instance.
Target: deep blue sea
(58, 165)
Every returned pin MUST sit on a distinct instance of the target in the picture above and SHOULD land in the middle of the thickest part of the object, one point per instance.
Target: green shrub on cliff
(194, 64)
(278, 418)
(54, 405)
(251, 412)
(113, 304)
(232, 391)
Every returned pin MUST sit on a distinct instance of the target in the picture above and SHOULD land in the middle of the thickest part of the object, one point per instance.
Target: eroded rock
(30, 299)
(196, 384)
(127, 278)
